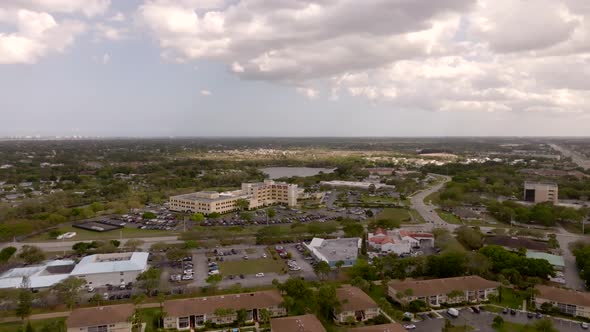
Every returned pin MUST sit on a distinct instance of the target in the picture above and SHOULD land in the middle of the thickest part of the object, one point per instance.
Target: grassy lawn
(417, 217)
(251, 266)
(448, 217)
(397, 214)
(433, 198)
(37, 324)
(511, 298)
(82, 234)
(515, 327)
(378, 199)
(150, 317)
(460, 328)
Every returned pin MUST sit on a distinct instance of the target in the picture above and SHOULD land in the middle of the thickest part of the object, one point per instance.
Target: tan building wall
(571, 309)
(174, 322)
(118, 327)
(359, 315)
(543, 192)
(438, 299)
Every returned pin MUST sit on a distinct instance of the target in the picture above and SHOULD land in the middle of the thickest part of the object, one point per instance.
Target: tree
(322, 269)
(353, 229)
(6, 254)
(297, 295)
(498, 322)
(241, 316)
(176, 254)
(271, 213)
(450, 264)
(214, 215)
(24, 305)
(148, 215)
(213, 280)
(469, 237)
(417, 306)
(264, 315)
(149, 279)
(339, 264)
(68, 291)
(242, 204)
(31, 254)
(198, 217)
(454, 294)
(327, 302)
(247, 216)
(96, 299)
(133, 244)
(115, 243)
(544, 325)
(55, 326)
(29, 327)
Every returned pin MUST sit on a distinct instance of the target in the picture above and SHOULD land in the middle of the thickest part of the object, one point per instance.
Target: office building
(112, 269)
(333, 251)
(539, 192)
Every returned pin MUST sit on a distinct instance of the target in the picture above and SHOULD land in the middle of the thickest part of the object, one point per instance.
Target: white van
(453, 312)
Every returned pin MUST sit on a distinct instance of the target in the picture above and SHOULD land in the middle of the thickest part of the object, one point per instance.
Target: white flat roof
(92, 265)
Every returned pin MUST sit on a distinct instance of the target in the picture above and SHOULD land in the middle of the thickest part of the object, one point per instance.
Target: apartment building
(539, 192)
(113, 318)
(567, 301)
(256, 194)
(446, 290)
(355, 305)
(193, 313)
(303, 323)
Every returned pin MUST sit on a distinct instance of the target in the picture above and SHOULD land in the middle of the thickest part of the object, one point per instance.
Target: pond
(281, 172)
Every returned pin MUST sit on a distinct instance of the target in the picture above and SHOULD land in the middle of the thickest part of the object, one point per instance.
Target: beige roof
(305, 323)
(442, 286)
(353, 298)
(562, 295)
(111, 314)
(208, 305)
(393, 327)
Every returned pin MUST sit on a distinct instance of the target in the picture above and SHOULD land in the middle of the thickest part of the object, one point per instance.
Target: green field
(511, 298)
(82, 234)
(448, 217)
(251, 266)
(379, 199)
(397, 214)
(515, 327)
(37, 324)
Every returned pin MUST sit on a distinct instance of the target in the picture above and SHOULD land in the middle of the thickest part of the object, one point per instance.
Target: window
(100, 328)
(183, 322)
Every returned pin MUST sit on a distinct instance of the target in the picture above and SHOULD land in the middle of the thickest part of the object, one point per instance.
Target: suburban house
(393, 327)
(112, 318)
(568, 301)
(303, 323)
(333, 251)
(193, 313)
(399, 241)
(446, 290)
(355, 305)
(556, 261)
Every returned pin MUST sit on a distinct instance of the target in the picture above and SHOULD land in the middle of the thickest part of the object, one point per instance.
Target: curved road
(427, 210)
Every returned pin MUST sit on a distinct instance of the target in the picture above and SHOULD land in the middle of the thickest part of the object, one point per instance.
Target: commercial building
(557, 262)
(436, 291)
(40, 276)
(539, 192)
(193, 313)
(256, 194)
(399, 241)
(333, 251)
(381, 171)
(355, 305)
(393, 327)
(113, 318)
(303, 323)
(114, 269)
(565, 300)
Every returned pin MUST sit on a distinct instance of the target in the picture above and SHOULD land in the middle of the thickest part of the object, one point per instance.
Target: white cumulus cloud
(205, 92)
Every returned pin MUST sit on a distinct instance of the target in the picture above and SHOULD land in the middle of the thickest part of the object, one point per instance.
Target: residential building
(556, 261)
(539, 192)
(399, 241)
(436, 291)
(113, 318)
(193, 313)
(257, 194)
(303, 323)
(392, 327)
(568, 301)
(114, 269)
(355, 305)
(333, 251)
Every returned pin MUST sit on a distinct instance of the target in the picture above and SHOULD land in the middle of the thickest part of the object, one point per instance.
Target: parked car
(475, 310)
(505, 310)
(453, 312)
(584, 325)
(410, 327)
(259, 275)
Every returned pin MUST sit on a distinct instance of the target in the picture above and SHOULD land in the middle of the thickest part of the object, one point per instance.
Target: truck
(453, 312)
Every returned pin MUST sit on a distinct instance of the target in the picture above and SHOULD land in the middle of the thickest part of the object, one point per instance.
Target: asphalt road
(579, 159)
(571, 273)
(426, 210)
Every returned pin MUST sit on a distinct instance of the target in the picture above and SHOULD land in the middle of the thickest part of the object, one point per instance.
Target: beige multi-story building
(435, 292)
(568, 301)
(193, 313)
(112, 318)
(539, 192)
(256, 194)
(355, 305)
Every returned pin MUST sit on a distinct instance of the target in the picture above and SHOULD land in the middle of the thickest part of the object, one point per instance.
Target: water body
(281, 172)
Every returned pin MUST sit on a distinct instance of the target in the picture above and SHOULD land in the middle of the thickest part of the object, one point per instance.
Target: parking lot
(483, 321)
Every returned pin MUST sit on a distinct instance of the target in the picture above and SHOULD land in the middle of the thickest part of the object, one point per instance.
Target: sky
(165, 68)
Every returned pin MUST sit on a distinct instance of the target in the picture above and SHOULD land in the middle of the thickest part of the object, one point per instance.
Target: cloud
(106, 58)
(308, 92)
(205, 92)
(118, 17)
(108, 32)
(87, 7)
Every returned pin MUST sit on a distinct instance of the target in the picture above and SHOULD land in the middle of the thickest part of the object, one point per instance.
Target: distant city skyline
(254, 68)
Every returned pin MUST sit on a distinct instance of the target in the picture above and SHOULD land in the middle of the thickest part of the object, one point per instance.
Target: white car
(263, 255)
(214, 272)
(187, 277)
(90, 289)
(105, 296)
(410, 327)
(584, 325)
(259, 275)
(188, 271)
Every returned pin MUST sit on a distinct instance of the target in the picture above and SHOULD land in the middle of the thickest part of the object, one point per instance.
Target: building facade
(194, 313)
(256, 194)
(114, 318)
(539, 192)
(355, 305)
(565, 300)
(333, 251)
(435, 292)
(114, 269)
